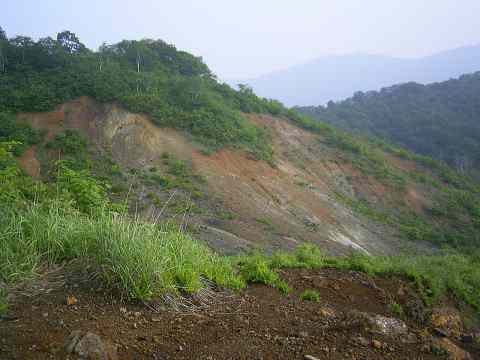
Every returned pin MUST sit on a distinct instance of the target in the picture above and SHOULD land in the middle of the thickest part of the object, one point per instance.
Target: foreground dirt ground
(258, 323)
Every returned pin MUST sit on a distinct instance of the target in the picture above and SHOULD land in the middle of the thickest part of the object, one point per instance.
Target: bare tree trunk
(2, 62)
(138, 61)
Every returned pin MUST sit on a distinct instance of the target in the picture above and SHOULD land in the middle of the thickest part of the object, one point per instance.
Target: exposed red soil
(76, 114)
(415, 200)
(258, 323)
(29, 163)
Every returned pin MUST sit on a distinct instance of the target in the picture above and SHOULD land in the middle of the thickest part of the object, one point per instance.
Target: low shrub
(310, 295)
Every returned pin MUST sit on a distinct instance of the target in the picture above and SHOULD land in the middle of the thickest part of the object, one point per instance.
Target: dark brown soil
(258, 323)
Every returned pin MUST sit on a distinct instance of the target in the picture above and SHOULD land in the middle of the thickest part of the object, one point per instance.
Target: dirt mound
(257, 323)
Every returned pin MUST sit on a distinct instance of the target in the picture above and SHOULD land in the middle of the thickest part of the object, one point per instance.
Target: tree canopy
(176, 88)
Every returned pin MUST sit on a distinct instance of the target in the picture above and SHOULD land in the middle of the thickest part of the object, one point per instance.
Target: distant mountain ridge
(338, 77)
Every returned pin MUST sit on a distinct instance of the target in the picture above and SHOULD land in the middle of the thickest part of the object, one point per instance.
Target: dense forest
(150, 76)
(440, 120)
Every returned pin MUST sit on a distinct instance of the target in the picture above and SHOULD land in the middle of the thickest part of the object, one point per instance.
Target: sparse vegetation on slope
(452, 218)
(437, 120)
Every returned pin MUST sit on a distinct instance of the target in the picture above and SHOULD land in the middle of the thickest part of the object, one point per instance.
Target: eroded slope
(239, 202)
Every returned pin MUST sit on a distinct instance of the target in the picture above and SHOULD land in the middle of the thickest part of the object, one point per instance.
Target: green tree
(70, 42)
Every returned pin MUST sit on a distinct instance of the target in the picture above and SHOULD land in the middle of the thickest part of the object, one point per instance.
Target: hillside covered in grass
(439, 120)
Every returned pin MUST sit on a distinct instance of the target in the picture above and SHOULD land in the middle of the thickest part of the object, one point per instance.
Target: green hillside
(150, 76)
(441, 120)
(71, 213)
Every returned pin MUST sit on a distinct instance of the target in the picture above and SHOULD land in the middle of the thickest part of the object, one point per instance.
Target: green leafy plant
(396, 308)
(310, 295)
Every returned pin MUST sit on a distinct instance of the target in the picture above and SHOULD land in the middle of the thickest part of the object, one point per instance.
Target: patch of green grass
(267, 224)
(224, 214)
(119, 188)
(310, 295)
(3, 301)
(142, 259)
(255, 268)
(306, 256)
(396, 308)
(433, 276)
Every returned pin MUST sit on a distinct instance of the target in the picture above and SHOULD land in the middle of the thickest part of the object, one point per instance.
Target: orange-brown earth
(257, 323)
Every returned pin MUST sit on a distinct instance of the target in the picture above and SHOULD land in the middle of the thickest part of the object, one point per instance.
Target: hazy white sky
(239, 39)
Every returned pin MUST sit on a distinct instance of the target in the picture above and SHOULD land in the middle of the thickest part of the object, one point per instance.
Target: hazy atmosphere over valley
(239, 180)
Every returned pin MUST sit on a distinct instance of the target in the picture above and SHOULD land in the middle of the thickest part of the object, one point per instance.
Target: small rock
(73, 340)
(157, 339)
(377, 344)
(362, 341)
(378, 323)
(336, 286)
(310, 357)
(467, 338)
(71, 300)
(326, 312)
(90, 346)
(440, 332)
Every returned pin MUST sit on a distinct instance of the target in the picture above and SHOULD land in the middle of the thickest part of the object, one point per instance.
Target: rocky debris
(447, 321)
(361, 341)
(310, 222)
(416, 310)
(326, 312)
(440, 332)
(90, 346)
(454, 352)
(409, 339)
(378, 323)
(71, 300)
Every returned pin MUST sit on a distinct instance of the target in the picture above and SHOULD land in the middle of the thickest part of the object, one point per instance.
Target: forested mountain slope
(440, 120)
